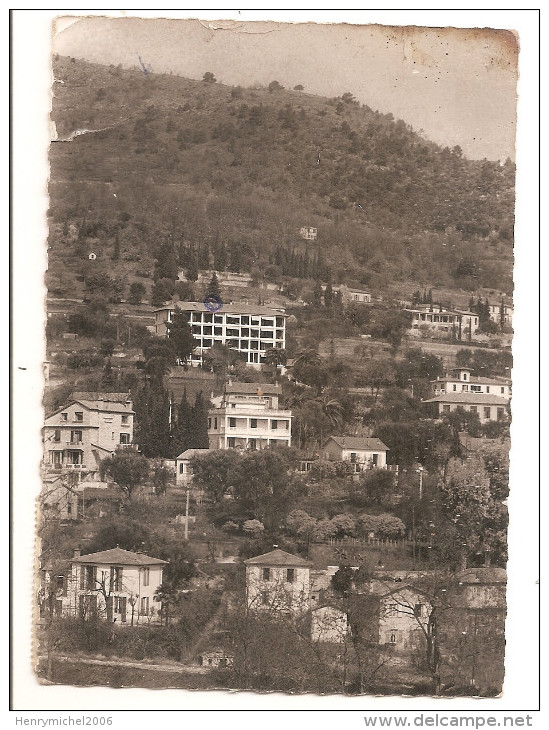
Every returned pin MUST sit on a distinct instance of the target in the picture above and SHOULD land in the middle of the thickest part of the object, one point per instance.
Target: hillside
(224, 177)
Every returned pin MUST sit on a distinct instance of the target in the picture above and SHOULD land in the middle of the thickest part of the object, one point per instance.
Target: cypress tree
(213, 286)
(199, 421)
(328, 296)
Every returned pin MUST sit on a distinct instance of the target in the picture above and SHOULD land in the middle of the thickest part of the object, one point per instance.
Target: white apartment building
(461, 324)
(248, 417)
(460, 380)
(243, 327)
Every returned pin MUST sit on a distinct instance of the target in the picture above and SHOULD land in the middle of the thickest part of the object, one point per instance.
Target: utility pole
(420, 472)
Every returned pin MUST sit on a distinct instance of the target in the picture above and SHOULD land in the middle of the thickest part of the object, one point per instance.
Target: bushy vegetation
(203, 177)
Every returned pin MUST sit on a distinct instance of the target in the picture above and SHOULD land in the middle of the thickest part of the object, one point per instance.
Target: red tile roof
(279, 557)
(117, 556)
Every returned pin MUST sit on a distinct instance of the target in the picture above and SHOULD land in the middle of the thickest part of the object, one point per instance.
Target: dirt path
(181, 669)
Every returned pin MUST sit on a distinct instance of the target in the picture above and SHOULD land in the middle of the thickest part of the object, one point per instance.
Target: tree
(299, 87)
(212, 473)
(253, 527)
(213, 286)
(276, 357)
(162, 292)
(128, 468)
(328, 296)
(152, 418)
(309, 369)
(209, 78)
(262, 483)
(474, 513)
(199, 424)
(317, 295)
(377, 374)
(374, 487)
(181, 336)
(275, 86)
(162, 476)
(116, 249)
(137, 292)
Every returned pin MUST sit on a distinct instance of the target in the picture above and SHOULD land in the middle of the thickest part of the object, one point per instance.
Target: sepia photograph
(277, 382)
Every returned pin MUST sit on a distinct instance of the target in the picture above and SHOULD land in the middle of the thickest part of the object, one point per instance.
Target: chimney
(76, 553)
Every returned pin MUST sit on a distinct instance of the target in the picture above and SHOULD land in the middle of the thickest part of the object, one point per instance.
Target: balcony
(132, 447)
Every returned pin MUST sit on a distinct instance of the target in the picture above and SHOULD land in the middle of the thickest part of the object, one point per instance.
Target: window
(446, 409)
(464, 388)
(502, 390)
(209, 423)
(76, 437)
(124, 420)
(266, 574)
(418, 610)
(232, 422)
(501, 414)
(473, 409)
(144, 605)
(125, 438)
(87, 577)
(253, 422)
(215, 423)
(57, 435)
(274, 424)
(290, 575)
(64, 416)
(392, 609)
(488, 389)
(374, 459)
(146, 576)
(252, 445)
(181, 468)
(393, 637)
(454, 387)
(231, 442)
(464, 376)
(353, 457)
(487, 412)
(116, 578)
(79, 416)
(476, 389)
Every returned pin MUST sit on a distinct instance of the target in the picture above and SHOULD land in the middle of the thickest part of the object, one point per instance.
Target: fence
(368, 542)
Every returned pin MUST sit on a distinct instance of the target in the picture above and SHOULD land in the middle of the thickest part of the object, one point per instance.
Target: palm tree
(275, 357)
(309, 369)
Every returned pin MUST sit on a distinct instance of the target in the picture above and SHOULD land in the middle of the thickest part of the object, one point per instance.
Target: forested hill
(231, 174)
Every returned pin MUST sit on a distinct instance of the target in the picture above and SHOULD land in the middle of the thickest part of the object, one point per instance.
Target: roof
(117, 556)
(191, 452)
(110, 406)
(227, 308)
(474, 379)
(482, 443)
(482, 576)
(474, 398)
(101, 493)
(253, 388)
(278, 557)
(94, 405)
(359, 443)
(94, 395)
